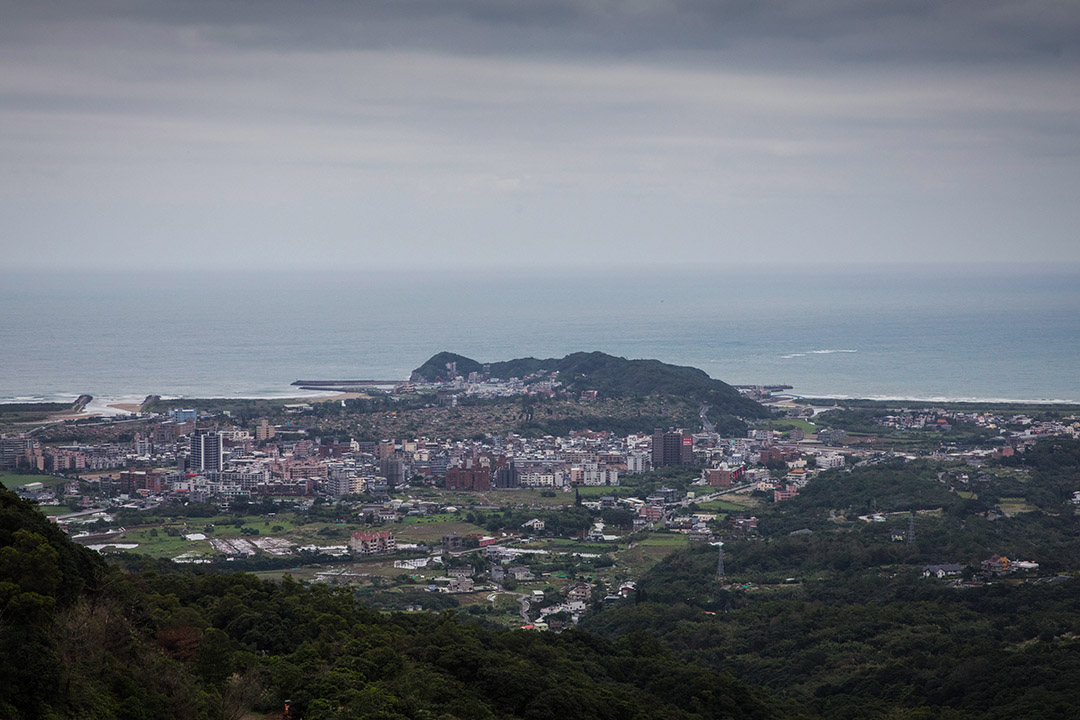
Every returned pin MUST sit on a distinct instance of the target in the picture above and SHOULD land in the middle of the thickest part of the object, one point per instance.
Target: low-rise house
(497, 553)
(519, 572)
(579, 593)
(787, 493)
(461, 584)
(941, 571)
(745, 523)
(1001, 565)
(652, 513)
(700, 533)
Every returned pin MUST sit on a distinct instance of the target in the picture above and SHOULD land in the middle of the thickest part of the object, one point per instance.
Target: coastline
(128, 407)
(129, 404)
(122, 406)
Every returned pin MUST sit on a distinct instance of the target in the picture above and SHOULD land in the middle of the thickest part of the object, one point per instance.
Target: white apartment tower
(206, 451)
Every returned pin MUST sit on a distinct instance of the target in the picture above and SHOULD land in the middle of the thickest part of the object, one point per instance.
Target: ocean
(947, 334)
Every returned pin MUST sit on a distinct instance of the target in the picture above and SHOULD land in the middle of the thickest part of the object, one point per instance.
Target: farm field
(17, 480)
(644, 554)
(720, 506)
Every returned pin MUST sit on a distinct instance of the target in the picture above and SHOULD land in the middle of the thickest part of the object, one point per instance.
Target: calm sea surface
(986, 335)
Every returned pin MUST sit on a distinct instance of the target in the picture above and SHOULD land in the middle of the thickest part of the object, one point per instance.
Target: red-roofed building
(374, 542)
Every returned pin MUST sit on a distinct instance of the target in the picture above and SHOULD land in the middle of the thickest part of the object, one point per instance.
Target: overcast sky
(498, 133)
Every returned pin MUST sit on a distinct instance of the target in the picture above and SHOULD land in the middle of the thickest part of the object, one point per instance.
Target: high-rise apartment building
(13, 450)
(477, 477)
(393, 469)
(207, 450)
(675, 447)
(507, 476)
(264, 431)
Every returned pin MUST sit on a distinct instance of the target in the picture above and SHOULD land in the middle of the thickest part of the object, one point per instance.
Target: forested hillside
(834, 611)
(824, 611)
(611, 376)
(82, 640)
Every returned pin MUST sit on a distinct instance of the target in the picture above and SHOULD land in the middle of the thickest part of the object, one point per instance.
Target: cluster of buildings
(992, 567)
(22, 451)
(480, 384)
(1017, 428)
(208, 457)
(231, 462)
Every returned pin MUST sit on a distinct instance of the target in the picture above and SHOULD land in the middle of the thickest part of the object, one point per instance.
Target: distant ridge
(609, 376)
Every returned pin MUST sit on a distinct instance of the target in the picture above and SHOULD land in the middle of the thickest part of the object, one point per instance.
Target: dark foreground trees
(83, 640)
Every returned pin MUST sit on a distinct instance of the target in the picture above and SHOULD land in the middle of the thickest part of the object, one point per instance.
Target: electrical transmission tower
(911, 529)
(720, 561)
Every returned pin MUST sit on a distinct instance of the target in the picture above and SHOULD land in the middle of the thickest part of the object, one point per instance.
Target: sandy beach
(332, 397)
(133, 407)
(109, 407)
(126, 407)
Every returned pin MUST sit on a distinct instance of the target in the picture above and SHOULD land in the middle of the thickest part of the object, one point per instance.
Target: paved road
(524, 600)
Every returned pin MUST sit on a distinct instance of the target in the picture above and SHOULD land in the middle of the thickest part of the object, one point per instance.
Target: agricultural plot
(233, 546)
(272, 545)
(432, 533)
(1015, 505)
(720, 506)
(18, 480)
(591, 492)
(646, 553)
(530, 497)
(738, 501)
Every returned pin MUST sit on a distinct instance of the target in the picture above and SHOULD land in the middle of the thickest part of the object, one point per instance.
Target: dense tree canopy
(82, 640)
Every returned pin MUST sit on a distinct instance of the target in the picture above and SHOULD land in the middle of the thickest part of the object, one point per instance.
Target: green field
(529, 496)
(431, 533)
(159, 544)
(17, 480)
(720, 506)
(436, 518)
(163, 546)
(154, 541)
(570, 545)
(1015, 505)
(806, 426)
(651, 550)
(667, 540)
(498, 498)
(598, 491)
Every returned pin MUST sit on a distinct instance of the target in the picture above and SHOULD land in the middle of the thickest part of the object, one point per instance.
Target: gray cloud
(534, 133)
(886, 30)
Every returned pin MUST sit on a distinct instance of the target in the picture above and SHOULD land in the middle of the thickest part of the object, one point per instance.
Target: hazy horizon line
(967, 267)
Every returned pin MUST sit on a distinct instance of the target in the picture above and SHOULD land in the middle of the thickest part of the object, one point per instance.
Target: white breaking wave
(816, 352)
(952, 399)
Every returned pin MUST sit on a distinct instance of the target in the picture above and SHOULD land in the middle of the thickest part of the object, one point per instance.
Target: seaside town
(593, 499)
(571, 519)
